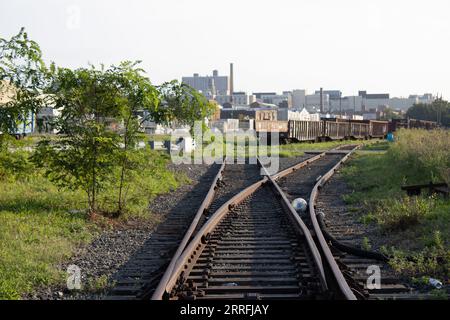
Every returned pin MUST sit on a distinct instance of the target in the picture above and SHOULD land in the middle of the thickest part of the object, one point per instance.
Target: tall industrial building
(208, 85)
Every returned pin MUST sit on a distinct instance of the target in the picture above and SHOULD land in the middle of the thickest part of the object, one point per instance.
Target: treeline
(438, 111)
(102, 110)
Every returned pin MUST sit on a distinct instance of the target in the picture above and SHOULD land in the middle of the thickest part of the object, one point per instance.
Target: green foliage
(182, 104)
(147, 178)
(366, 244)
(37, 232)
(423, 151)
(41, 224)
(393, 214)
(419, 226)
(438, 111)
(430, 261)
(22, 79)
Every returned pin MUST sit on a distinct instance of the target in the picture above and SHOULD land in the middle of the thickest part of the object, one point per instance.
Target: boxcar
(304, 130)
(378, 128)
(333, 130)
(422, 124)
(359, 130)
(271, 126)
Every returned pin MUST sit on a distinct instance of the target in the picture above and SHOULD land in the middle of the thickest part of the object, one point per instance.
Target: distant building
(239, 99)
(208, 85)
(283, 100)
(260, 95)
(312, 102)
(298, 98)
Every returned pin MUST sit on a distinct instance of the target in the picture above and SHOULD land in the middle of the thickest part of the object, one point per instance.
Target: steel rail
(306, 233)
(337, 273)
(160, 289)
(190, 252)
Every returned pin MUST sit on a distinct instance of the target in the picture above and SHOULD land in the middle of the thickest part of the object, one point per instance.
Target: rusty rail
(191, 253)
(337, 273)
(188, 252)
(205, 204)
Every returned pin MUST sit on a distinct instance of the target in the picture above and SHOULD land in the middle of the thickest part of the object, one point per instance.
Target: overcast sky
(396, 46)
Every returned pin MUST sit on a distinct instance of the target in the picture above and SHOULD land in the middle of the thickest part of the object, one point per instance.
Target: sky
(399, 47)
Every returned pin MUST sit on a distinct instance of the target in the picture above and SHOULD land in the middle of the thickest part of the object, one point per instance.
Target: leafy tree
(138, 102)
(438, 111)
(22, 78)
(85, 155)
(181, 104)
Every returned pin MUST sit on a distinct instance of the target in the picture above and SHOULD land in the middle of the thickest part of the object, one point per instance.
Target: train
(336, 129)
(409, 123)
(323, 130)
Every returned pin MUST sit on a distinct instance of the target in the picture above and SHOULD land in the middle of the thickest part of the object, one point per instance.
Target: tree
(138, 102)
(438, 111)
(181, 104)
(22, 79)
(84, 157)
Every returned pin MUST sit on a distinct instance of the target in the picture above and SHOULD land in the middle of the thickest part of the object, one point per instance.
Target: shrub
(14, 165)
(393, 214)
(423, 151)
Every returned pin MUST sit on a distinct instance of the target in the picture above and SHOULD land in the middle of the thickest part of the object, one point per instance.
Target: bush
(423, 151)
(430, 261)
(403, 213)
(14, 165)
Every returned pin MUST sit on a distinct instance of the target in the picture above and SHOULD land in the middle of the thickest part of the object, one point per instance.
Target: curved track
(256, 246)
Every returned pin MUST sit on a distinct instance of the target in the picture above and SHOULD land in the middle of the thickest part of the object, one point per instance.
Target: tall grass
(425, 151)
(415, 226)
(41, 225)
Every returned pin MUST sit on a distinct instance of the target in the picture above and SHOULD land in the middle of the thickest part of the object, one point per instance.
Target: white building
(239, 99)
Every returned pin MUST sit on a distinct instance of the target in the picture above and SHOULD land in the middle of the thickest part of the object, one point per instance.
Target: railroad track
(255, 246)
(344, 235)
(138, 278)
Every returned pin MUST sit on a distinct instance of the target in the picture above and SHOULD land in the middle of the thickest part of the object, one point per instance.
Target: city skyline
(380, 46)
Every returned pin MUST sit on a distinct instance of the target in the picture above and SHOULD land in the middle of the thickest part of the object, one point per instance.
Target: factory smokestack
(231, 83)
(321, 100)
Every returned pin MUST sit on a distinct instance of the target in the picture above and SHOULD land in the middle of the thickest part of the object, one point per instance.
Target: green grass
(41, 226)
(377, 146)
(37, 233)
(411, 224)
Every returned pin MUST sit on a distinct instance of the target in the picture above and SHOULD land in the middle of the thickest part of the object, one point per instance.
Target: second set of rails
(257, 246)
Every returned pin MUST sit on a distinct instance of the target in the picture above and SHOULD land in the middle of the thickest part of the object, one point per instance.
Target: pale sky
(400, 47)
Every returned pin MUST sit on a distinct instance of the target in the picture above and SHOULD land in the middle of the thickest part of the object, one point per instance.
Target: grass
(37, 232)
(417, 229)
(41, 226)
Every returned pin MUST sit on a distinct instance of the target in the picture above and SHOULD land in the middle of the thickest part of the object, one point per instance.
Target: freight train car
(422, 124)
(335, 130)
(304, 130)
(324, 130)
(359, 130)
(378, 129)
(396, 124)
